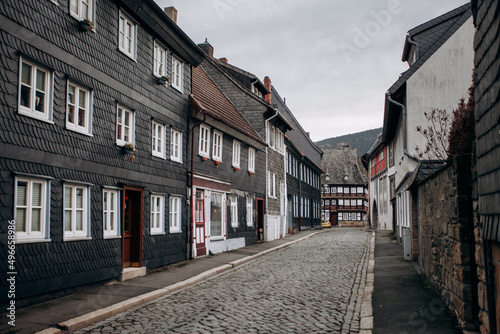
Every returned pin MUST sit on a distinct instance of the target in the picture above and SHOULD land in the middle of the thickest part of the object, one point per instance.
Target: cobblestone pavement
(315, 286)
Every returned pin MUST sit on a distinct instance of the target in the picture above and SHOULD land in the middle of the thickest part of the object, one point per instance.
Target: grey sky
(332, 60)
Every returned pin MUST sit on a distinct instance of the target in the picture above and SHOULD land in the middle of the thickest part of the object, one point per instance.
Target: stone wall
(446, 243)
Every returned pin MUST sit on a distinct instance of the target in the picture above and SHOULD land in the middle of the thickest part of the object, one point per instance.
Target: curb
(366, 323)
(88, 319)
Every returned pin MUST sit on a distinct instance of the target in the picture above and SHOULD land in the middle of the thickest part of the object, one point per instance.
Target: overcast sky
(331, 60)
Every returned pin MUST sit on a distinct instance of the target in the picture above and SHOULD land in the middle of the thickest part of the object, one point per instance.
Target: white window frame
(217, 145)
(249, 211)
(234, 210)
(78, 13)
(111, 213)
(204, 142)
(222, 215)
(46, 113)
(28, 235)
(74, 126)
(123, 20)
(157, 208)
(175, 214)
(271, 184)
(176, 145)
(120, 140)
(236, 153)
(159, 58)
(177, 73)
(73, 233)
(251, 160)
(158, 142)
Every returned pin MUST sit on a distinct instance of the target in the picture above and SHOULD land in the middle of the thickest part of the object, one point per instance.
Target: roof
(340, 163)
(429, 37)
(244, 77)
(425, 169)
(294, 149)
(210, 100)
(298, 136)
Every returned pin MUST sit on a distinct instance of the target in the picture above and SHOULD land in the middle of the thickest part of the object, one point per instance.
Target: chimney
(207, 48)
(224, 60)
(172, 13)
(267, 83)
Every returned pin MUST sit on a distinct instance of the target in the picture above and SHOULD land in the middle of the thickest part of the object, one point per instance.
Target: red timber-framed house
(227, 182)
(344, 189)
(251, 98)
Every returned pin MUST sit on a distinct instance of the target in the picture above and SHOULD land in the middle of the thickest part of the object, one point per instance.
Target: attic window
(256, 91)
(346, 177)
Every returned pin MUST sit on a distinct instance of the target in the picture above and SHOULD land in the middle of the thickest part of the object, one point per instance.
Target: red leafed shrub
(462, 132)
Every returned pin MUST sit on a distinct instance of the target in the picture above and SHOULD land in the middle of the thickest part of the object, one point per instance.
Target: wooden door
(199, 213)
(132, 212)
(333, 218)
(260, 219)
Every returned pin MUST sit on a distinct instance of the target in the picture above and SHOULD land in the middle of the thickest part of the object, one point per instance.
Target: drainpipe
(405, 126)
(192, 186)
(412, 42)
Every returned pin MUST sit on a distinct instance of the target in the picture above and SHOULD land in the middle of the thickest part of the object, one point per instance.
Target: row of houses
(444, 210)
(124, 147)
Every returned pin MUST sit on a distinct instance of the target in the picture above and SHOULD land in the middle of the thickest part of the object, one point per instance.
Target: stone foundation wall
(446, 237)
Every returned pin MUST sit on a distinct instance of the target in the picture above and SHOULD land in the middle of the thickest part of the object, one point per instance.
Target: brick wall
(445, 226)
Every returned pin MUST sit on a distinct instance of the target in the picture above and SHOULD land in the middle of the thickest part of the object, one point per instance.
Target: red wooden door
(199, 213)
(132, 206)
(333, 219)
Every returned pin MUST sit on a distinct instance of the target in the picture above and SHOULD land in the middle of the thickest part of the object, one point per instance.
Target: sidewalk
(401, 301)
(84, 308)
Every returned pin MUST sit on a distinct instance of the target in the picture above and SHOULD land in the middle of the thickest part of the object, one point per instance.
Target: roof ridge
(440, 19)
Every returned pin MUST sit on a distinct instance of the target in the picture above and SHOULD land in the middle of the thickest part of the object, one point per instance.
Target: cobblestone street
(314, 286)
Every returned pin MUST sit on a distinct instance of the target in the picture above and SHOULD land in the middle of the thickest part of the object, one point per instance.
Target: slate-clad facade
(227, 155)
(71, 99)
(303, 172)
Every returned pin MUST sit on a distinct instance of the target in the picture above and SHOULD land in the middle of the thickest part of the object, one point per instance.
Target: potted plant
(86, 25)
(163, 80)
(217, 162)
(128, 148)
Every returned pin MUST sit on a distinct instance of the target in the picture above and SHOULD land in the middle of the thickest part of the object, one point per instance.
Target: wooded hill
(362, 141)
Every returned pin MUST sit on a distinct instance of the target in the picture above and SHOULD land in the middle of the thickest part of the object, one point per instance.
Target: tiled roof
(340, 163)
(215, 104)
(298, 136)
(425, 169)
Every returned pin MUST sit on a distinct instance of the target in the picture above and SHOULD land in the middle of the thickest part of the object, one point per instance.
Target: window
(158, 140)
(353, 202)
(127, 35)
(360, 190)
(271, 136)
(125, 127)
(340, 190)
(327, 202)
(234, 210)
(346, 190)
(76, 212)
(159, 59)
(217, 146)
(177, 72)
(391, 154)
(175, 214)
(78, 109)
(157, 214)
(249, 211)
(82, 9)
(360, 202)
(346, 216)
(334, 190)
(204, 141)
(251, 160)
(31, 203)
(110, 213)
(176, 145)
(34, 90)
(295, 205)
(236, 154)
(271, 184)
(353, 190)
(341, 202)
(327, 190)
(279, 141)
(199, 210)
(381, 157)
(216, 226)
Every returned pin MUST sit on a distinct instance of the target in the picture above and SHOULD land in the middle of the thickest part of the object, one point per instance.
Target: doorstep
(132, 272)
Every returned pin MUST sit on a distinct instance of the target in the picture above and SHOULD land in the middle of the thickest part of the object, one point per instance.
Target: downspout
(192, 185)
(412, 42)
(405, 126)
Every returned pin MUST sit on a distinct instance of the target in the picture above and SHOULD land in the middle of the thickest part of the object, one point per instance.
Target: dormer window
(256, 91)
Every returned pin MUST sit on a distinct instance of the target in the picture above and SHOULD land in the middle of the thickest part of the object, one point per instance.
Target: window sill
(80, 131)
(76, 238)
(127, 54)
(110, 237)
(159, 156)
(217, 238)
(158, 233)
(175, 232)
(179, 89)
(34, 114)
(177, 161)
(29, 241)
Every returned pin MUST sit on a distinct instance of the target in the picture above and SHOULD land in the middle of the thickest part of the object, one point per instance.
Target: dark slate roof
(244, 77)
(211, 101)
(429, 36)
(339, 163)
(425, 169)
(298, 136)
(294, 149)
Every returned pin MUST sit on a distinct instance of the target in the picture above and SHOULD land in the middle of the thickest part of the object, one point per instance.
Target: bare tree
(436, 135)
